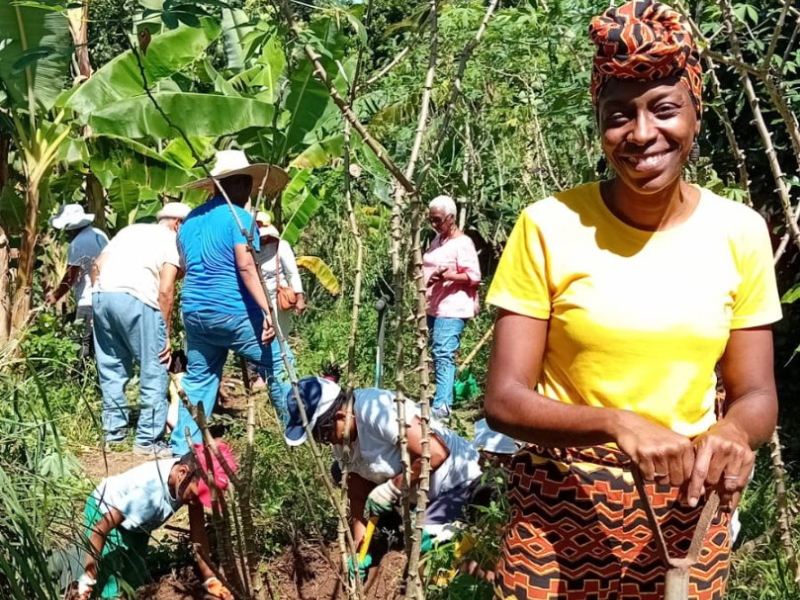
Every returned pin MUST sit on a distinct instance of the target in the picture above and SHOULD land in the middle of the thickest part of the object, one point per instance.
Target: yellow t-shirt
(638, 319)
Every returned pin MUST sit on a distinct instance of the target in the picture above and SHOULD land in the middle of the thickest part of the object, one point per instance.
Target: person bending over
(375, 472)
(125, 509)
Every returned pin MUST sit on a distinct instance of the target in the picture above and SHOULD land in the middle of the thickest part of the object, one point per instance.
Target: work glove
(215, 590)
(382, 499)
(85, 586)
(363, 566)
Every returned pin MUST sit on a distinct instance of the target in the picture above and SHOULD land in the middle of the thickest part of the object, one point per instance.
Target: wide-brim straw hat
(234, 162)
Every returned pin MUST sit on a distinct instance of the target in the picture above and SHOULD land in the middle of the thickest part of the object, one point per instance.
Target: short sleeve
(757, 301)
(520, 284)
(467, 261)
(377, 415)
(172, 255)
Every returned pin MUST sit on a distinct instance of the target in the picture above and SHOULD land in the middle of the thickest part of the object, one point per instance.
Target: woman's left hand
(723, 459)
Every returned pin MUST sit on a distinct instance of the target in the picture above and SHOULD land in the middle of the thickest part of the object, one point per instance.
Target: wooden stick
(766, 136)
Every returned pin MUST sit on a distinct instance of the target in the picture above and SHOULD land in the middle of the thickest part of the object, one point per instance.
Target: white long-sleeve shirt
(290, 275)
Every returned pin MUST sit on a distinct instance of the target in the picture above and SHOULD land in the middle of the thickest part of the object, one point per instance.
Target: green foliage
(34, 53)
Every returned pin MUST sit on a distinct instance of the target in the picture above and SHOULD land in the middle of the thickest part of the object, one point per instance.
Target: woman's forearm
(755, 416)
(526, 415)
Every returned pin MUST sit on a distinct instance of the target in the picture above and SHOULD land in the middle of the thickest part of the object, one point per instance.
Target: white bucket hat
(234, 162)
(71, 217)
(174, 210)
(493, 441)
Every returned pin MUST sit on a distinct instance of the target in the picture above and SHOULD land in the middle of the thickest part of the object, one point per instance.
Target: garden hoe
(364, 550)
(676, 582)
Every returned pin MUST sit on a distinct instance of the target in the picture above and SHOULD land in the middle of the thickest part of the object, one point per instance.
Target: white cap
(174, 210)
(493, 441)
(71, 217)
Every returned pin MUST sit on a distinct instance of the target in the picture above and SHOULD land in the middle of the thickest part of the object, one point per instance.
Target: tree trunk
(22, 289)
(96, 197)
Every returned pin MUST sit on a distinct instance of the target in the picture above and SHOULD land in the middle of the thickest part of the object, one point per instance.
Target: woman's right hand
(660, 454)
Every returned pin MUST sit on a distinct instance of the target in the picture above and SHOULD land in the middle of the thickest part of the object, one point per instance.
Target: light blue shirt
(141, 494)
(206, 241)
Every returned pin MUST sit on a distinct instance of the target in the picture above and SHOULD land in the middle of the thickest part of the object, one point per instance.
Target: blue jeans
(126, 330)
(445, 337)
(209, 336)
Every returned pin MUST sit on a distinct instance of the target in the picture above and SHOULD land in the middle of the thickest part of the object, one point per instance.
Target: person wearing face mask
(124, 510)
(452, 275)
(616, 300)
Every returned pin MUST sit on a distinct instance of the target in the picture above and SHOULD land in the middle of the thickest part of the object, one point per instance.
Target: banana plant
(34, 56)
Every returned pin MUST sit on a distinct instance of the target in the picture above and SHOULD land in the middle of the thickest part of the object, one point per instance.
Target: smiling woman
(617, 300)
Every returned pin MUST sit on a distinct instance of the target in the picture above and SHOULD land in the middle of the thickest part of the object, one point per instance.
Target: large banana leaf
(34, 53)
(195, 114)
(272, 63)
(234, 29)
(322, 272)
(305, 206)
(121, 78)
(308, 98)
(320, 153)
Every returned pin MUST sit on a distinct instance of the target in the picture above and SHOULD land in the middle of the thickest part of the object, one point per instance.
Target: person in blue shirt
(223, 302)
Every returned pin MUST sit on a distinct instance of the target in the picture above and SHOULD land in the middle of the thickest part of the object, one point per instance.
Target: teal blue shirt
(206, 241)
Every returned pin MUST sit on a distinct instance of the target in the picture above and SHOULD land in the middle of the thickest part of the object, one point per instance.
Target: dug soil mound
(304, 572)
(309, 573)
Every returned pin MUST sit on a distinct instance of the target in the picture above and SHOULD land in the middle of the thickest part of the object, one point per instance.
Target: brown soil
(301, 573)
(98, 464)
(309, 573)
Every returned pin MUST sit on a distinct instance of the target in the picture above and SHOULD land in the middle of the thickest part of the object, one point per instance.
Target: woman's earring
(694, 153)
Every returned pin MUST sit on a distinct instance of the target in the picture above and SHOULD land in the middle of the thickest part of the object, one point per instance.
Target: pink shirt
(452, 299)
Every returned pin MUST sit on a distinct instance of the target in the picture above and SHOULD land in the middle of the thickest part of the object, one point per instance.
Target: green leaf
(306, 206)
(272, 62)
(308, 98)
(234, 29)
(322, 272)
(792, 295)
(30, 76)
(296, 185)
(320, 153)
(194, 114)
(120, 79)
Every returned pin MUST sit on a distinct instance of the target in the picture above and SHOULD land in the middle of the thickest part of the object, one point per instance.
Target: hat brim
(69, 226)
(295, 435)
(276, 179)
(269, 231)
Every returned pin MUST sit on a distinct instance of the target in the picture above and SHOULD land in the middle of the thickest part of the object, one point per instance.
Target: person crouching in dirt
(375, 472)
(125, 509)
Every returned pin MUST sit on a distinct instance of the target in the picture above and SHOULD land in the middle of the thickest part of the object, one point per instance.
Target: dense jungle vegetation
(506, 119)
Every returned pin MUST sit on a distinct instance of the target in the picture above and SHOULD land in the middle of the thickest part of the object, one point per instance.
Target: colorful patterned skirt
(578, 532)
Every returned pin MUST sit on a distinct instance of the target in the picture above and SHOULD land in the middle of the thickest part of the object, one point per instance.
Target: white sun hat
(71, 217)
(174, 210)
(234, 162)
(266, 228)
(493, 441)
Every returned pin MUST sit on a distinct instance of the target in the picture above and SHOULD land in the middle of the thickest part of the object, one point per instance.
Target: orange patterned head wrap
(643, 40)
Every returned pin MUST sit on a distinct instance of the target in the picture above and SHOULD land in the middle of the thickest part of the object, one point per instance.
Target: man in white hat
(134, 283)
(223, 302)
(85, 245)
